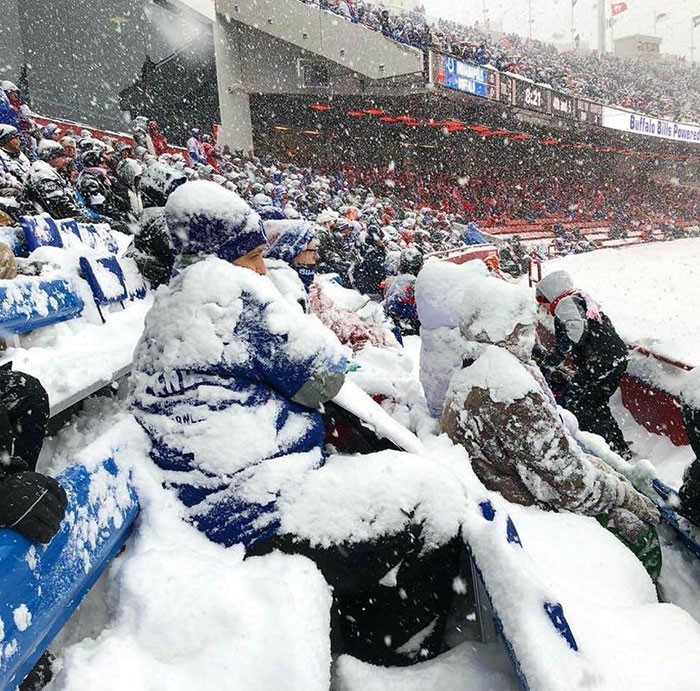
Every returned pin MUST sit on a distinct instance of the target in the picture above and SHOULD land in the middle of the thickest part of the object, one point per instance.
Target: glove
(321, 387)
(32, 504)
(638, 504)
(641, 474)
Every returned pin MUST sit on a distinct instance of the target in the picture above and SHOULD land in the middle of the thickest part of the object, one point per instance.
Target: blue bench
(28, 304)
(44, 231)
(42, 586)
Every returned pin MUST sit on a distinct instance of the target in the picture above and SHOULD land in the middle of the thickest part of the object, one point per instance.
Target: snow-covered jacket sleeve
(289, 355)
(520, 449)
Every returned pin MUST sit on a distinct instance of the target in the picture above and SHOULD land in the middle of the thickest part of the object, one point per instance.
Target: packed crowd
(664, 88)
(214, 226)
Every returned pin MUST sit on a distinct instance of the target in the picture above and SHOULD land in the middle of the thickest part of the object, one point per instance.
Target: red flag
(618, 7)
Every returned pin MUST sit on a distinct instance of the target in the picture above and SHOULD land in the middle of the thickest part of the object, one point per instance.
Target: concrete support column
(234, 101)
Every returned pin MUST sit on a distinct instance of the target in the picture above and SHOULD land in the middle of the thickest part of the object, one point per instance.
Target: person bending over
(586, 341)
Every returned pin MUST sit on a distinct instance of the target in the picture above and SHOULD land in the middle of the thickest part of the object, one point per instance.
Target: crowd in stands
(664, 88)
(371, 230)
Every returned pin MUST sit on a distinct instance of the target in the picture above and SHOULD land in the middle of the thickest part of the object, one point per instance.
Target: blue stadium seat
(106, 279)
(40, 231)
(69, 232)
(28, 304)
(42, 586)
(98, 236)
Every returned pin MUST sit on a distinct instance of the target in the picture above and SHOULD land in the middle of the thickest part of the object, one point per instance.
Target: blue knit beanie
(291, 241)
(205, 218)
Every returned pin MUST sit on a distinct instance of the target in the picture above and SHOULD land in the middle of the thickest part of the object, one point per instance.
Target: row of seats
(29, 303)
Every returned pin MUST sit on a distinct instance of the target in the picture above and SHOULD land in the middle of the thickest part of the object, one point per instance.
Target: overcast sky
(552, 19)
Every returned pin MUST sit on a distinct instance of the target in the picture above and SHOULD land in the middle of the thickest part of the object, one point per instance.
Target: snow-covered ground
(176, 612)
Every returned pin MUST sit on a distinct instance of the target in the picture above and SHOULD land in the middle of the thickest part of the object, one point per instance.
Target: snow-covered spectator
(588, 353)
(14, 165)
(194, 148)
(49, 187)
(500, 409)
(227, 363)
(152, 247)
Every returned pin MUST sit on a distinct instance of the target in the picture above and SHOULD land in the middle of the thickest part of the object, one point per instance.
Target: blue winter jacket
(472, 235)
(221, 357)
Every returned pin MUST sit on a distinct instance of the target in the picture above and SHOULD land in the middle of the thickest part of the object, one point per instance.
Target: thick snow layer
(496, 370)
(186, 613)
(649, 291)
(468, 667)
(69, 356)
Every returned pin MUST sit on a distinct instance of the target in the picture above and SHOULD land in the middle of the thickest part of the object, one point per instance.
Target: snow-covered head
(441, 291)
(207, 219)
(498, 313)
(158, 182)
(553, 285)
(291, 242)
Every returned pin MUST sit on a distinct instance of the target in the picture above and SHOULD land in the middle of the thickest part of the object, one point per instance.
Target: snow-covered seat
(40, 587)
(105, 278)
(40, 231)
(98, 236)
(27, 304)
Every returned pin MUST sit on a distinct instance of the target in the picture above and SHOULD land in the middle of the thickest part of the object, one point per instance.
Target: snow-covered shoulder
(497, 371)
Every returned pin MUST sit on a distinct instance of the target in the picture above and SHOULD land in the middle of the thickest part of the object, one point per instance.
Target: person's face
(70, 150)
(59, 162)
(12, 145)
(56, 136)
(308, 256)
(253, 260)
(14, 98)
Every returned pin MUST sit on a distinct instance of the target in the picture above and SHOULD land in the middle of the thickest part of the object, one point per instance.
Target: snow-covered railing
(646, 394)
(42, 585)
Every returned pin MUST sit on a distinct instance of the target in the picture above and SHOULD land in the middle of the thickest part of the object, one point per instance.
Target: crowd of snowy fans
(302, 251)
(666, 88)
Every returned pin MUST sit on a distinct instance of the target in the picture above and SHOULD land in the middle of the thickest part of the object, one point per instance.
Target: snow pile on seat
(387, 488)
(187, 613)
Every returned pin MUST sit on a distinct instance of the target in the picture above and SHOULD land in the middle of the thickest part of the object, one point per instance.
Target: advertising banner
(464, 76)
(635, 123)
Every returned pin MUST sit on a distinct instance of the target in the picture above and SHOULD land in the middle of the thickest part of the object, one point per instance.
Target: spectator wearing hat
(52, 131)
(194, 148)
(14, 165)
(48, 187)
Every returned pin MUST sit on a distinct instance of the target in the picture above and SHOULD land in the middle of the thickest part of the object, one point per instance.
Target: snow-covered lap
(203, 618)
(362, 498)
(188, 613)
